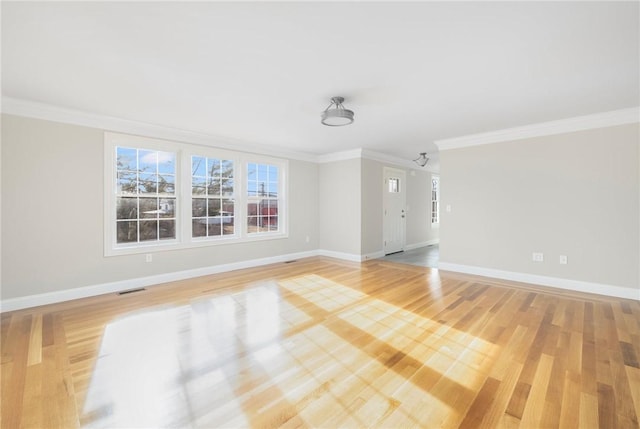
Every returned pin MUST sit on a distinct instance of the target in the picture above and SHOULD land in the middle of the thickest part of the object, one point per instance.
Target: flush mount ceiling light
(422, 159)
(335, 115)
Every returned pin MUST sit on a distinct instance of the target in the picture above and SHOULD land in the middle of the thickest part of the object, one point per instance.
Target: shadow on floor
(427, 256)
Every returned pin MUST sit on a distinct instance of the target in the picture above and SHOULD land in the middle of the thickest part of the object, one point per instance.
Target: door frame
(402, 174)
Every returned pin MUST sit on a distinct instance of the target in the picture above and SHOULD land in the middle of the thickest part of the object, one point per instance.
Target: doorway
(394, 223)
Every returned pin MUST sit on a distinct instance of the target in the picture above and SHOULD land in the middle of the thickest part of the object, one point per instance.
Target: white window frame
(436, 223)
(184, 152)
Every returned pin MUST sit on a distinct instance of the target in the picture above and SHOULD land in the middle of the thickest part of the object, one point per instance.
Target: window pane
(227, 168)
(199, 228)
(137, 173)
(213, 168)
(216, 180)
(126, 159)
(198, 207)
(167, 229)
(167, 207)
(251, 188)
(215, 227)
(214, 207)
(148, 161)
(227, 187)
(148, 230)
(394, 185)
(214, 187)
(228, 228)
(127, 208)
(262, 173)
(252, 209)
(252, 222)
(166, 162)
(228, 208)
(273, 173)
(252, 171)
(198, 185)
(273, 223)
(273, 189)
(127, 231)
(127, 183)
(148, 183)
(167, 184)
(198, 166)
(149, 207)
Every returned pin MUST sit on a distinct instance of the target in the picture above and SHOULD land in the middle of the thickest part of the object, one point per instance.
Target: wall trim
(361, 153)
(580, 123)
(340, 255)
(373, 255)
(117, 286)
(555, 282)
(340, 156)
(422, 244)
(48, 112)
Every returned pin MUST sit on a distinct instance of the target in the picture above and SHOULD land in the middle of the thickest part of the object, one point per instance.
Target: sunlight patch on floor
(197, 364)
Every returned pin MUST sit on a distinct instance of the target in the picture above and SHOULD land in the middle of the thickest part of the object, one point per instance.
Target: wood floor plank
(325, 343)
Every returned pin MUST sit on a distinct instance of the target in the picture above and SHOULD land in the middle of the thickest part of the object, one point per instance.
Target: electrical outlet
(306, 239)
(448, 208)
(563, 259)
(538, 257)
(148, 257)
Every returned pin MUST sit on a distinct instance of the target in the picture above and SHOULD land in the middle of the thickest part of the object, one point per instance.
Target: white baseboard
(573, 285)
(341, 255)
(112, 287)
(374, 255)
(422, 244)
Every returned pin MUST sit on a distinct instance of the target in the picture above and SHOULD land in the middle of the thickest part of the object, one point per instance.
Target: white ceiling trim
(388, 159)
(31, 109)
(361, 153)
(580, 123)
(340, 156)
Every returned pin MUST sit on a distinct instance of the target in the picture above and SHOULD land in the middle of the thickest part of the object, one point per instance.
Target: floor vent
(125, 292)
(289, 262)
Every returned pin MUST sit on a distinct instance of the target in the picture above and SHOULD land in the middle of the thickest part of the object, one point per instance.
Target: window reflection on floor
(304, 346)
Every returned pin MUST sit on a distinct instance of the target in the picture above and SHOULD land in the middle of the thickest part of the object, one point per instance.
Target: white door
(394, 201)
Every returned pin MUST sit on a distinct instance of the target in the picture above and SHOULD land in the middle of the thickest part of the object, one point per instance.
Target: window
(394, 185)
(212, 191)
(162, 195)
(262, 198)
(145, 196)
(435, 200)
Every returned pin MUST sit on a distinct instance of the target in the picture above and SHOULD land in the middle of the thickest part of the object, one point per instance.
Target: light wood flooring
(324, 343)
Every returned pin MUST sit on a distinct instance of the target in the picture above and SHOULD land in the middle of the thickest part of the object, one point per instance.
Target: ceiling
(262, 72)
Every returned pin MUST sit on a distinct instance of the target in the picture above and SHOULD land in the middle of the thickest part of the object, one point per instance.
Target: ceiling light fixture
(338, 115)
(422, 159)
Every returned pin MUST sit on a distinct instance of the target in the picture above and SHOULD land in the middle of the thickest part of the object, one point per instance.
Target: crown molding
(36, 110)
(340, 156)
(361, 153)
(580, 123)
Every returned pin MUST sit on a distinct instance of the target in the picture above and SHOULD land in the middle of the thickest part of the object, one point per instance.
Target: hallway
(427, 256)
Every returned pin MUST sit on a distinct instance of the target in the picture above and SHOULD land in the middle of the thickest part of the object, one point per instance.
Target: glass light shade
(337, 117)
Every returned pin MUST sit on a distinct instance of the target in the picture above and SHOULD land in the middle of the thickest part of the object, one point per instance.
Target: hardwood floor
(324, 343)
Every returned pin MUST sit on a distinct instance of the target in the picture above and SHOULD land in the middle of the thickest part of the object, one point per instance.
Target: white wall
(574, 194)
(52, 215)
(340, 207)
(419, 229)
(372, 205)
